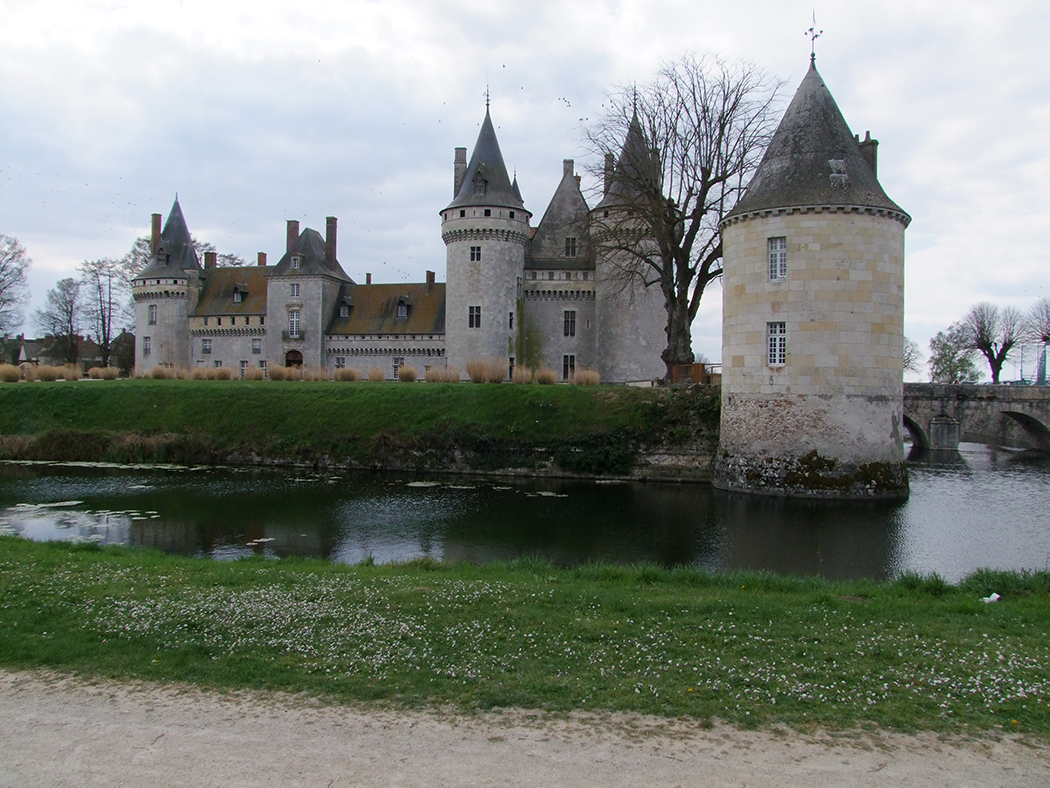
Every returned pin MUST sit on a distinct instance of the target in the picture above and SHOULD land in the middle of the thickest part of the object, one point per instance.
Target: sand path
(56, 732)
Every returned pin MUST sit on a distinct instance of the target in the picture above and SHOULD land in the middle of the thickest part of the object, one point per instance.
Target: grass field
(589, 429)
(752, 650)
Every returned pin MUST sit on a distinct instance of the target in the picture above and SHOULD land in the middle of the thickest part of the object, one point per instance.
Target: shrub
(347, 374)
(95, 373)
(497, 371)
(522, 375)
(316, 373)
(253, 373)
(182, 373)
(200, 373)
(9, 373)
(434, 375)
(545, 376)
(407, 374)
(586, 377)
(221, 373)
(452, 374)
(277, 372)
(47, 373)
(110, 373)
(161, 373)
(486, 371)
(376, 375)
(69, 372)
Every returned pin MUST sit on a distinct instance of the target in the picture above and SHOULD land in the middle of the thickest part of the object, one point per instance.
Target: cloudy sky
(258, 112)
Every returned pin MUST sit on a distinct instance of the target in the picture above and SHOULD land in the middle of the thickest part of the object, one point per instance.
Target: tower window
(550, 275)
(479, 183)
(147, 345)
(778, 257)
(153, 314)
(512, 214)
(475, 254)
(776, 335)
(293, 323)
(570, 322)
(205, 347)
(295, 261)
(511, 321)
(462, 214)
(533, 275)
(474, 317)
(568, 367)
(295, 290)
(570, 247)
(256, 347)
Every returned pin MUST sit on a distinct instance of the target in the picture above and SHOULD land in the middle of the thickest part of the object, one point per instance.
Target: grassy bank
(578, 429)
(748, 649)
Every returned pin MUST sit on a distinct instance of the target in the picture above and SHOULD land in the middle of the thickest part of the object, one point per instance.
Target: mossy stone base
(811, 476)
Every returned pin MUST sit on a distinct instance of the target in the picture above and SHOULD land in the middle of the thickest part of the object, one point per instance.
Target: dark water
(977, 508)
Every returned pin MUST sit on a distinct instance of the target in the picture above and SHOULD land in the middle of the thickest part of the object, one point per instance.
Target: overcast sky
(255, 113)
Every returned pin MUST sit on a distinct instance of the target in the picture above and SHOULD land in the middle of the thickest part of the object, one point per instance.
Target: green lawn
(752, 650)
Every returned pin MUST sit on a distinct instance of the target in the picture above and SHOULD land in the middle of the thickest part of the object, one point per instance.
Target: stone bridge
(939, 416)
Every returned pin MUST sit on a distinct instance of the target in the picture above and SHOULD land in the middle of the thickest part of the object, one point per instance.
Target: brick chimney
(368, 279)
(459, 170)
(210, 260)
(869, 149)
(329, 241)
(430, 281)
(292, 235)
(262, 258)
(154, 240)
(567, 167)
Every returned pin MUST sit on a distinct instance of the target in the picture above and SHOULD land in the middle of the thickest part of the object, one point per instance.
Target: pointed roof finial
(813, 34)
(488, 96)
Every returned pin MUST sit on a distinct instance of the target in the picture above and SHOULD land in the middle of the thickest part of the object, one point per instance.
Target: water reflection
(967, 509)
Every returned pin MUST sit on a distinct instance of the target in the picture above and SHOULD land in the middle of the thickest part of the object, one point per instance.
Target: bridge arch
(1036, 430)
(919, 439)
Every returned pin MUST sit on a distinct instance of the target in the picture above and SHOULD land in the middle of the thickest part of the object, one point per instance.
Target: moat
(977, 508)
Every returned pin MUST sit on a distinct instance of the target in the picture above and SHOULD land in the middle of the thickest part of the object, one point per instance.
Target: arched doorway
(293, 359)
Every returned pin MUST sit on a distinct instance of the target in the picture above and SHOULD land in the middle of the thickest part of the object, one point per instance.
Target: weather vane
(487, 95)
(813, 34)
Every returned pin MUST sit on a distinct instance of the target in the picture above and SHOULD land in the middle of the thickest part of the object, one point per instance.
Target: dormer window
(237, 296)
(295, 261)
(402, 309)
(344, 309)
(479, 183)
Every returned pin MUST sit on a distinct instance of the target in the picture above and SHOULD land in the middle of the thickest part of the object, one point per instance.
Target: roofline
(899, 216)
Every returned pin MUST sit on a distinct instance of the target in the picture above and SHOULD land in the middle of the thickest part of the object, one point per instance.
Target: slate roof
(485, 181)
(566, 216)
(175, 251)
(813, 160)
(216, 297)
(310, 246)
(635, 159)
(373, 309)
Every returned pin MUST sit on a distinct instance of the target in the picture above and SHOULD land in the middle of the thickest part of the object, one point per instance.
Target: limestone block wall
(631, 327)
(168, 341)
(230, 343)
(314, 303)
(386, 351)
(545, 305)
(492, 283)
(836, 398)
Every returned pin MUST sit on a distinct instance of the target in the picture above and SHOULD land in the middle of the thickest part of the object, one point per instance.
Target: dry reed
(451, 374)
(70, 372)
(376, 375)
(253, 373)
(316, 373)
(490, 370)
(545, 376)
(348, 374)
(161, 373)
(522, 375)
(44, 372)
(587, 377)
(407, 374)
(9, 373)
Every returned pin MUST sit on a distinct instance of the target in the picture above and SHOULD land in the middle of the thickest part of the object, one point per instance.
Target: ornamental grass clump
(161, 373)
(316, 373)
(182, 373)
(70, 372)
(376, 375)
(253, 373)
(9, 373)
(586, 377)
(407, 374)
(522, 375)
(545, 376)
(44, 372)
(452, 374)
(347, 374)
(434, 375)
(486, 371)
(221, 373)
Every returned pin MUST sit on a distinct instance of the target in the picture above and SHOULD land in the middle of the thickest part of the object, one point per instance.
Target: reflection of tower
(813, 299)
(485, 229)
(164, 292)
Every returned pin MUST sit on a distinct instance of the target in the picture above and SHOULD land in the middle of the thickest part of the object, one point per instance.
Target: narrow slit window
(778, 258)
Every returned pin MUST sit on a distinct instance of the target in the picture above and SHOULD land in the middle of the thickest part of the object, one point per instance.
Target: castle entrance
(293, 359)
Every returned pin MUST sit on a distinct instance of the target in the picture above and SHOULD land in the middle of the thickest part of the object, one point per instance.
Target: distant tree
(123, 352)
(912, 355)
(951, 358)
(1039, 331)
(994, 332)
(685, 147)
(142, 250)
(60, 319)
(14, 289)
(106, 290)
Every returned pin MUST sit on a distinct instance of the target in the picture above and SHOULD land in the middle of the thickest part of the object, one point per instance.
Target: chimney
(154, 240)
(567, 167)
(210, 260)
(292, 235)
(262, 258)
(869, 149)
(577, 180)
(610, 167)
(430, 281)
(459, 170)
(368, 279)
(329, 241)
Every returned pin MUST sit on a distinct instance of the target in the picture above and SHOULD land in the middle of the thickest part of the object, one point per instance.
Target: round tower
(165, 292)
(485, 229)
(813, 316)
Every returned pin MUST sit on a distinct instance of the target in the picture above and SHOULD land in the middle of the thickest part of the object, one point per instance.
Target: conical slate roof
(486, 181)
(635, 162)
(814, 160)
(175, 251)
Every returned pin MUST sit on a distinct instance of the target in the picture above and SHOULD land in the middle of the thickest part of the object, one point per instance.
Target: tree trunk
(679, 348)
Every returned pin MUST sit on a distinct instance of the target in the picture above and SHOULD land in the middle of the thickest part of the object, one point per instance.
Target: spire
(636, 163)
(485, 181)
(175, 251)
(814, 160)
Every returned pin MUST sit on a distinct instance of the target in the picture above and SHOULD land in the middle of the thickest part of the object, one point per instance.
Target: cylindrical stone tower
(485, 229)
(813, 311)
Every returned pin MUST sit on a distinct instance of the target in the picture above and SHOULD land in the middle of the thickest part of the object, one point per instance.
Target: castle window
(256, 347)
(262, 366)
(295, 261)
(218, 321)
(402, 309)
(233, 321)
(550, 275)
(568, 367)
(512, 214)
(778, 258)
(776, 335)
(295, 290)
(570, 322)
(488, 212)
(244, 368)
(533, 274)
(293, 323)
(399, 361)
(479, 183)
(237, 296)
(570, 247)
(205, 322)
(462, 214)
(475, 254)
(262, 320)
(585, 276)
(146, 346)
(510, 368)
(205, 347)
(340, 362)
(511, 321)
(153, 314)
(344, 310)
(217, 364)
(474, 317)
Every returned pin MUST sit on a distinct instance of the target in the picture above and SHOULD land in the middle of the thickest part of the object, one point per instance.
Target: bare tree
(951, 357)
(14, 290)
(106, 292)
(141, 251)
(912, 355)
(994, 332)
(675, 156)
(60, 319)
(1039, 329)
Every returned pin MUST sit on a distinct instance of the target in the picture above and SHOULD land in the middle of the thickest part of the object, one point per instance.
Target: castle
(534, 296)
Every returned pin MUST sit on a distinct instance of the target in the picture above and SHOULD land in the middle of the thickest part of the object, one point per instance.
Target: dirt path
(58, 732)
